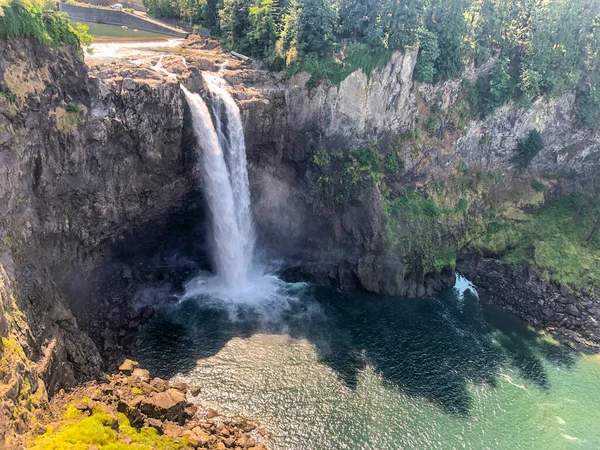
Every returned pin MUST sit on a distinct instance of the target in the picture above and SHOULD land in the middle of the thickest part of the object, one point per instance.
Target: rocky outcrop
(157, 415)
(524, 291)
(84, 161)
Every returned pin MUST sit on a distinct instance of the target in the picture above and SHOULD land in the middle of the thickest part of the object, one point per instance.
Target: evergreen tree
(210, 16)
(358, 20)
(315, 27)
(428, 55)
(234, 22)
(263, 28)
(401, 20)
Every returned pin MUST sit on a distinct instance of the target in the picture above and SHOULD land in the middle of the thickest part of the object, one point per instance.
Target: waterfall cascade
(224, 181)
(222, 153)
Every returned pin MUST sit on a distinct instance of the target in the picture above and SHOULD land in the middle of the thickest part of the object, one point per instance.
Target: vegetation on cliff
(533, 48)
(559, 239)
(39, 19)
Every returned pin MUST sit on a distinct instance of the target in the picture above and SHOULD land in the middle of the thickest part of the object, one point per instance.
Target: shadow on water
(427, 348)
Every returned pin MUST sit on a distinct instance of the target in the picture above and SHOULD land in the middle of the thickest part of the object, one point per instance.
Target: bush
(41, 21)
(528, 149)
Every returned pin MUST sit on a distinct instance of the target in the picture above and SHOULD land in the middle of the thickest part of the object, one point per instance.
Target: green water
(104, 31)
(328, 370)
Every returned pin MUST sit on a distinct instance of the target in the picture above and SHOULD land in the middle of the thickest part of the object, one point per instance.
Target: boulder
(142, 375)
(132, 412)
(156, 424)
(128, 366)
(211, 413)
(168, 405)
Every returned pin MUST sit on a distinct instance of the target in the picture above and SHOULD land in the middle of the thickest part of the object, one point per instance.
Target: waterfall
(224, 181)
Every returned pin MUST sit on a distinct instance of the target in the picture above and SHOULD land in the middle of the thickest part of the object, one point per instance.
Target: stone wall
(112, 17)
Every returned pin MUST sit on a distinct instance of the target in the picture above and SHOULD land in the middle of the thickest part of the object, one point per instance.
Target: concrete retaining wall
(111, 17)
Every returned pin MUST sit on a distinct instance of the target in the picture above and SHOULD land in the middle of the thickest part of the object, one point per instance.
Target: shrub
(41, 21)
(528, 149)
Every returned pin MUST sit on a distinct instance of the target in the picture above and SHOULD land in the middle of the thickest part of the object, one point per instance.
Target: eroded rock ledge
(129, 408)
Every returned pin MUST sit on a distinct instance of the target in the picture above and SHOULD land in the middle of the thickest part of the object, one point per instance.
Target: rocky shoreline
(572, 317)
(130, 408)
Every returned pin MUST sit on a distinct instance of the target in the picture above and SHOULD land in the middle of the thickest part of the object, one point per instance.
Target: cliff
(84, 162)
(378, 183)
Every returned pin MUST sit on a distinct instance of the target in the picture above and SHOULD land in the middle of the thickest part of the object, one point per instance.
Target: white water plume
(238, 282)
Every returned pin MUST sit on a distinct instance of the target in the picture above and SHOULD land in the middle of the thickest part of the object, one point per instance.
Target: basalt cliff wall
(85, 162)
(370, 184)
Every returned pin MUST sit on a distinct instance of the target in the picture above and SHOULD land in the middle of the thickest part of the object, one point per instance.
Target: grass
(69, 117)
(552, 240)
(78, 431)
(356, 56)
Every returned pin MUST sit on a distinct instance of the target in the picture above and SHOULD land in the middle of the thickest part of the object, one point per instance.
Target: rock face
(166, 405)
(525, 292)
(289, 124)
(83, 161)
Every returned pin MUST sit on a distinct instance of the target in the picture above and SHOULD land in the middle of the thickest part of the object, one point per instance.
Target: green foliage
(363, 165)
(393, 164)
(401, 20)
(82, 31)
(538, 186)
(553, 239)
(38, 20)
(315, 27)
(358, 21)
(357, 56)
(163, 8)
(78, 431)
(416, 224)
(428, 55)
(234, 23)
(528, 148)
(542, 47)
(492, 90)
(263, 28)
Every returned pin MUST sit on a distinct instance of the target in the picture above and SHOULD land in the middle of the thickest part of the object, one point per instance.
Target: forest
(537, 47)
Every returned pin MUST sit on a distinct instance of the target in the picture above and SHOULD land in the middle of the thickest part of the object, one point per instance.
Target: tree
(263, 28)
(529, 148)
(401, 20)
(234, 22)
(428, 55)
(446, 19)
(315, 27)
(358, 20)
(162, 8)
(287, 44)
(210, 16)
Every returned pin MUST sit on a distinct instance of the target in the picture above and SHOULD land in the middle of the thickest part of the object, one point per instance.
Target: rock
(572, 309)
(128, 366)
(220, 446)
(159, 384)
(131, 411)
(156, 424)
(183, 387)
(211, 413)
(245, 441)
(197, 436)
(190, 411)
(142, 375)
(195, 391)
(229, 441)
(168, 405)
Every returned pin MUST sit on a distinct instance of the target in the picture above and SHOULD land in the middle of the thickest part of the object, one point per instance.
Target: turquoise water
(323, 369)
